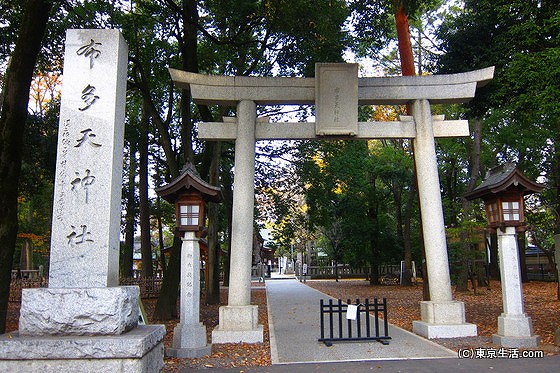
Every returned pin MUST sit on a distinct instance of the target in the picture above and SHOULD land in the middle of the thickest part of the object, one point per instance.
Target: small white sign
(305, 269)
(351, 312)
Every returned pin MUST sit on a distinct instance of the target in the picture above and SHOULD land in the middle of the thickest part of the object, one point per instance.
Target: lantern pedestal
(515, 328)
(189, 341)
(189, 336)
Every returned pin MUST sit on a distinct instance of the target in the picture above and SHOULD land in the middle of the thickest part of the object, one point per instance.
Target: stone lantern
(502, 192)
(189, 193)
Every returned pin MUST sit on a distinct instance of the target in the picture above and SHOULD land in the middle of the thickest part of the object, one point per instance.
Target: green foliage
(463, 247)
(373, 23)
(453, 172)
(36, 183)
(362, 187)
(519, 108)
(253, 37)
(347, 187)
(540, 226)
(11, 13)
(34, 221)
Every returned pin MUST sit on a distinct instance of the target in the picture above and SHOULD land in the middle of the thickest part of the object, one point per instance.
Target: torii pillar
(239, 319)
(442, 317)
(336, 91)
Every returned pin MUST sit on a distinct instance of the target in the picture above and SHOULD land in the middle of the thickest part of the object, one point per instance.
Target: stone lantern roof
(189, 180)
(504, 178)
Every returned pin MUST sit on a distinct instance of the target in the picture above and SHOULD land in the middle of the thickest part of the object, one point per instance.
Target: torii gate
(336, 91)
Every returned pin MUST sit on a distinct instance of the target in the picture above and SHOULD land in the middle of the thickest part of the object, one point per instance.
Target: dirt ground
(225, 355)
(482, 309)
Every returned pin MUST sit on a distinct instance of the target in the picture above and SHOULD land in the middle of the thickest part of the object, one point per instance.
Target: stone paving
(294, 322)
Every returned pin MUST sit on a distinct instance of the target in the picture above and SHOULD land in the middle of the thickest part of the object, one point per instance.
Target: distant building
(538, 266)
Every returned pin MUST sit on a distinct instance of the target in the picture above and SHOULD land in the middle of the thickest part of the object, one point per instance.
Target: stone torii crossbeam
(336, 91)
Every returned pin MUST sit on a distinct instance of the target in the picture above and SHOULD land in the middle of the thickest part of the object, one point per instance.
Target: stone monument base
(443, 320)
(139, 350)
(238, 324)
(189, 341)
(79, 311)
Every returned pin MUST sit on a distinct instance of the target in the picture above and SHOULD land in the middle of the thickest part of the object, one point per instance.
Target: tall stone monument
(84, 321)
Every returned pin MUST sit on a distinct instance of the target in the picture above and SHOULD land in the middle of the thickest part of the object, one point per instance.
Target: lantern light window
(510, 210)
(189, 215)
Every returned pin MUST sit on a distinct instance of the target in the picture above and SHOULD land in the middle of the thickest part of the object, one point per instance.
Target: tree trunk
(213, 265)
(166, 306)
(474, 166)
(405, 46)
(373, 214)
(213, 285)
(227, 260)
(141, 82)
(463, 279)
(556, 184)
(407, 239)
(228, 201)
(522, 258)
(130, 219)
(374, 274)
(407, 270)
(162, 261)
(419, 49)
(189, 55)
(145, 229)
(12, 128)
(408, 69)
(494, 263)
(26, 255)
(336, 270)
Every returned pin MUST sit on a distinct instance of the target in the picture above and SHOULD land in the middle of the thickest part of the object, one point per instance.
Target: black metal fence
(342, 327)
